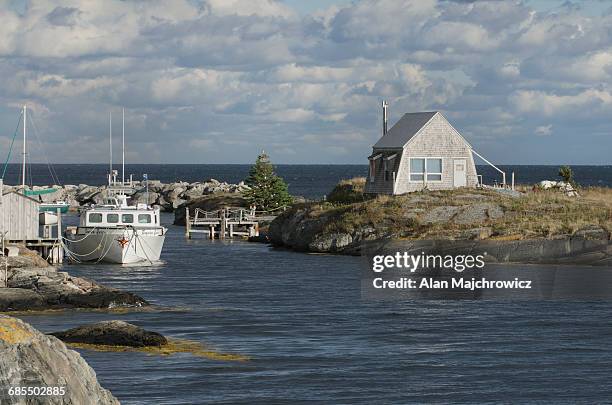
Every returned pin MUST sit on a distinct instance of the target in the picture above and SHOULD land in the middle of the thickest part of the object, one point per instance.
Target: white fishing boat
(114, 231)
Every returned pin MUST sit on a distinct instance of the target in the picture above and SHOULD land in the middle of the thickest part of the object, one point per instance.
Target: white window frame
(112, 213)
(89, 215)
(425, 173)
(143, 223)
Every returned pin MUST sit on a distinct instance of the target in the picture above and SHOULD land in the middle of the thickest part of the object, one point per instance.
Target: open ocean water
(310, 336)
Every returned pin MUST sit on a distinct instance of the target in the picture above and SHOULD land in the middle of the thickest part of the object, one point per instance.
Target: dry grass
(535, 215)
(551, 214)
(348, 191)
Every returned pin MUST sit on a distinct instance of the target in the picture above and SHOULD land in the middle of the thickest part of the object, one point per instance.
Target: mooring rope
(82, 239)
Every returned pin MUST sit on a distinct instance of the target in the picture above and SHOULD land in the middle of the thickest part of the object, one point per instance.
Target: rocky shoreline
(28, 358)
(33, 285)
(544, 226)
(167, 196)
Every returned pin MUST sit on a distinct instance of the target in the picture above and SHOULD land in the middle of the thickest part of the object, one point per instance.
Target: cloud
(544, 130)
(550, 104)
(228, 78)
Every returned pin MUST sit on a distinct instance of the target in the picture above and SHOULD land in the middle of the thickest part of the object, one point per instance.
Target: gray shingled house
(422, 150)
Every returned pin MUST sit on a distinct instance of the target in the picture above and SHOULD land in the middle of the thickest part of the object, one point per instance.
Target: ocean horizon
(310, 181)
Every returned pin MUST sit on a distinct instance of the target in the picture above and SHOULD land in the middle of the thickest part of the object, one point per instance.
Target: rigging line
(8, 157)
(82, 239)
(138, 239)
(28, 173)
(52, 171)
(110, 245)
(87, 254)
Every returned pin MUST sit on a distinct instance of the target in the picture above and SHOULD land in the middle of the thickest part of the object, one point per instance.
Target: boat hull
(116, 245)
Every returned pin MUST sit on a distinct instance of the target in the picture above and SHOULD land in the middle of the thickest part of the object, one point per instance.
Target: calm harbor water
(310, 181)
(312, 339)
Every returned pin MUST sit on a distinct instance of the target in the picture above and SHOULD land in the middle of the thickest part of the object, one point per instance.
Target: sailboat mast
(23, 167)
(123, 148)
(110, 146)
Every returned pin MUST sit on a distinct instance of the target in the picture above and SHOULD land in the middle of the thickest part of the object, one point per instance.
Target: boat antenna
(110, 145)
(123, 148)
(23, 167)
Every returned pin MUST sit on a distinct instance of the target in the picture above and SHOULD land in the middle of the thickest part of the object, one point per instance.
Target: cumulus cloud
(228, 78)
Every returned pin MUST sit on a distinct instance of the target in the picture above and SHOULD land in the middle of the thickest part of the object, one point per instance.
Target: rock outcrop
(112, 333)
(167, 196)
(452, 215)
(298, 229)
(562, 186)
(32, 284)
(29, 358)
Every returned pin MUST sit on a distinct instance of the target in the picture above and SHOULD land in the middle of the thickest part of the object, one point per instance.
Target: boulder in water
(112, 333)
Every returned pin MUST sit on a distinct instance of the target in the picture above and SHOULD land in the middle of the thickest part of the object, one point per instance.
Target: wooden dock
(224, 223)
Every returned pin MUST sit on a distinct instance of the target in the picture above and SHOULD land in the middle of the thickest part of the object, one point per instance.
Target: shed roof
(405, 129)
(21, 195)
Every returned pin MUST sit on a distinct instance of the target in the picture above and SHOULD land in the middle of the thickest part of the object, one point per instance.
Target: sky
(218, 81)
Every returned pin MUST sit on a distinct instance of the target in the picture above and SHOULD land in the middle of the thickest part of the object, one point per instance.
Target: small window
(144, 218)
(417, 169)
(127, 218)
(112, 218)
(95, 218)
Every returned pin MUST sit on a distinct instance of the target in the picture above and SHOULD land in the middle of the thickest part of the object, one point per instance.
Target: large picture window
(425, 169)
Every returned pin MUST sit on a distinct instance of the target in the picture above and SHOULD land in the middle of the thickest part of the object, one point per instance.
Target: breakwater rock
(32, 284)
(212, 202)
(168, 196)
(112, 333)
(29, 358)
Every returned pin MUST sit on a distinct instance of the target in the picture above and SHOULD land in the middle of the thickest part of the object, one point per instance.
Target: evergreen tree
(268, 191)
(566, 173)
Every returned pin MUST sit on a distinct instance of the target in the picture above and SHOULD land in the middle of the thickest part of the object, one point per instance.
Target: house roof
(405, 129)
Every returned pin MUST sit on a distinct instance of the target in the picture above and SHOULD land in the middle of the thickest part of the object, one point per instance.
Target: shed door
(459, 172)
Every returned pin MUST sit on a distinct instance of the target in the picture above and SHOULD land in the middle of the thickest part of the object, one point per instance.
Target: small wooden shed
(421, 151)
(19, 217)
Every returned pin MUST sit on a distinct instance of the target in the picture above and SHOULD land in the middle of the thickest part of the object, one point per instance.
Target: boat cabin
(115, 212)
(120, 217)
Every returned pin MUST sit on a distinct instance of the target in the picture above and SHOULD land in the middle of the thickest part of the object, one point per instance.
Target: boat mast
(123, 148)
(23, 168)
(110, 147)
